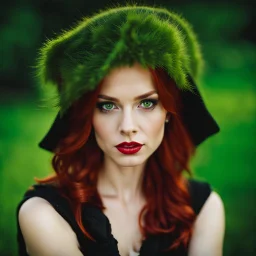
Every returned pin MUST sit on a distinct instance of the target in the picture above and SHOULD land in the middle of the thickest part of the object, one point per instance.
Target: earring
(166, 120)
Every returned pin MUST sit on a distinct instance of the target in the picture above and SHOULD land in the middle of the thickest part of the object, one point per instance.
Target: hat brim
(58, 130)
(196, 117)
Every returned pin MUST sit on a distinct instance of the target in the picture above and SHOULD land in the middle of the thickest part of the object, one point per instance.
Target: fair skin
(126, 118)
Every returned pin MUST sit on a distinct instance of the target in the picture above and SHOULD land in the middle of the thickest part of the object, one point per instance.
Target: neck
(122, 183)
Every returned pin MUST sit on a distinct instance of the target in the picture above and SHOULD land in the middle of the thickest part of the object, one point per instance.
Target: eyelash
(100, 105)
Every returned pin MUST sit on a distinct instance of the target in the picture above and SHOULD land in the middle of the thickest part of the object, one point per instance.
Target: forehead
(134, 80)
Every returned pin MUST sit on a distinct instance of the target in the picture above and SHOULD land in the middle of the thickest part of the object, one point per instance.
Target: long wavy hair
(78, 159)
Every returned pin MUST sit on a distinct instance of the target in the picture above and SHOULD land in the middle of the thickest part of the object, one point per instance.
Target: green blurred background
(226, 31)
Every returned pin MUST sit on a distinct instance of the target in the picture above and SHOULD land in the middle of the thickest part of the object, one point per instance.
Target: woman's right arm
(45, 232)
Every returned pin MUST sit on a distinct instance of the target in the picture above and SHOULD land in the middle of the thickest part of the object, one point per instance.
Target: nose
(128, 123)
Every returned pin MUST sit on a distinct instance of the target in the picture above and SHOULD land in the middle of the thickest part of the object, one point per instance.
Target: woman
(130, 119)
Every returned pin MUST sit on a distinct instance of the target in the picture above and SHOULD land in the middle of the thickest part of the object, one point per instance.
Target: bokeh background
(226, 30)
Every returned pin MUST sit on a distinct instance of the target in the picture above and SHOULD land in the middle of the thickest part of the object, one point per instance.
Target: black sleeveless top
(98, 225)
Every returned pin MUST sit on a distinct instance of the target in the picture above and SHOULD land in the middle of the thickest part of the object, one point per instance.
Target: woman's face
(128, 120)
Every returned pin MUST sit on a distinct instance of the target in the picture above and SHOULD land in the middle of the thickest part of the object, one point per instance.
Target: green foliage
(21, 33)
(22, 126)
(216, 21)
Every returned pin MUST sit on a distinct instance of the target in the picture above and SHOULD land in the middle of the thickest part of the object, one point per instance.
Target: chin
(130, 160)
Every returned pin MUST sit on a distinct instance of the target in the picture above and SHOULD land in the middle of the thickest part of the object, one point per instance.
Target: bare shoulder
(209, 228)
(45, 232)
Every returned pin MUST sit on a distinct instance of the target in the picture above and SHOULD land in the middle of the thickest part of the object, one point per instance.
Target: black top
(97, 224)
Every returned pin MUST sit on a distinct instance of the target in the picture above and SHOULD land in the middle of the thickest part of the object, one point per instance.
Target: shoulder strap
(199, 193)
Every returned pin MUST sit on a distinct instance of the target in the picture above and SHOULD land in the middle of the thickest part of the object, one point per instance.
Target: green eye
(108, 106)
(105, 106)
(147, 104)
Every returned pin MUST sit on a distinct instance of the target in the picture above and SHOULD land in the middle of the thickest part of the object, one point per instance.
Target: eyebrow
(145, 95)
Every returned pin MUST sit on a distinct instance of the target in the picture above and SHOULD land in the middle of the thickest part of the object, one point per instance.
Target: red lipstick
(128, 148)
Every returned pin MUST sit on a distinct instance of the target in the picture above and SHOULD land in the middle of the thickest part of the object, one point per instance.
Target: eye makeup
(108, 106)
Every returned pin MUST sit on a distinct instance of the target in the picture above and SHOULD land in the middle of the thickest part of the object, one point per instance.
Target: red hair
(78, 159)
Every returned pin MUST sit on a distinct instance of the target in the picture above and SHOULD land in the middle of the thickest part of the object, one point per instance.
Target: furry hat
(83, 56)
(78, 59)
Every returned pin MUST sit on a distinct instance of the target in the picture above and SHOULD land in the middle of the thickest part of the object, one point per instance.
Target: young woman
(130, 120)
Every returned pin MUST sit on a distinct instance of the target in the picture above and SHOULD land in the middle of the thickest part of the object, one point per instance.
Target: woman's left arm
(209, 228)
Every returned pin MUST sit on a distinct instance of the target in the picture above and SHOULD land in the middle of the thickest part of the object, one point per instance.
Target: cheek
(101, 128)
(155, 127)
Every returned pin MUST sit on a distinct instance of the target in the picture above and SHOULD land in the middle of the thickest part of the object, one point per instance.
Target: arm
(45, 232)
(209, 228)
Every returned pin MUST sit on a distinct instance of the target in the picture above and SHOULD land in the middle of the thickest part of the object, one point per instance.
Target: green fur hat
(78, 59)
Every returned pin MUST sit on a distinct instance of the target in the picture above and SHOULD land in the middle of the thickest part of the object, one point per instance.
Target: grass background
(226, 161)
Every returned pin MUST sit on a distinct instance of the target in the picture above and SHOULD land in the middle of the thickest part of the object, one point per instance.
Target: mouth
(128, 148)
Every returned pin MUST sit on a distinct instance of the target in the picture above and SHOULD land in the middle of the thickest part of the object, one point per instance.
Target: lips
(128, 148)
(129, 144)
